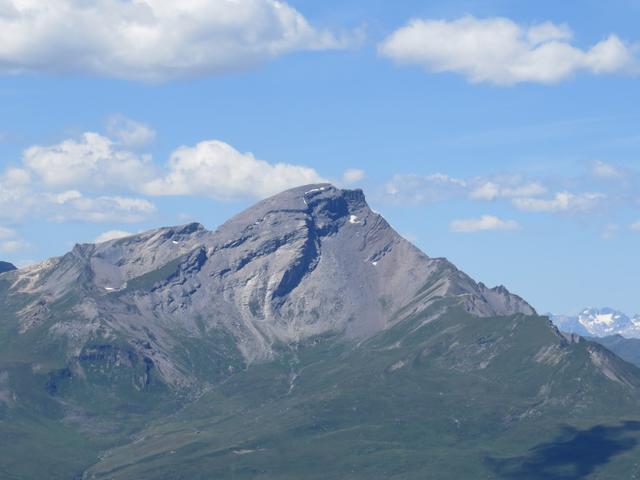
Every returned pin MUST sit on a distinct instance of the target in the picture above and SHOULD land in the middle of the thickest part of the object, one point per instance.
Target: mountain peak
(183, 321)
(318, 200)
(309, 261)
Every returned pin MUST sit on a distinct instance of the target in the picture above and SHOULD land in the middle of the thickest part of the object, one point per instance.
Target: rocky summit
(303, 338)
(310, 261)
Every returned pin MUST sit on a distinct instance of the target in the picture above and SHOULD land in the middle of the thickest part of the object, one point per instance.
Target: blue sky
(500, 135)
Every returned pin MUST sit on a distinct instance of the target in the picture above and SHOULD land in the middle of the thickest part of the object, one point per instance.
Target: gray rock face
(312, 260)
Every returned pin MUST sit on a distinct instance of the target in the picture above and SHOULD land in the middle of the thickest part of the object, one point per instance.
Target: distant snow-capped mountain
(599, 322)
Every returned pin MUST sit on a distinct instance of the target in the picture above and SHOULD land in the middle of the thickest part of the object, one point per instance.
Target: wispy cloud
(608, 171)
(352, 175)
(73, 205)
(491, 190)
(10, 241)
(482, 224)
(416, 189)
(112, 235)
(571, 195)
(562, 202)
(610, 231)
(130, 133)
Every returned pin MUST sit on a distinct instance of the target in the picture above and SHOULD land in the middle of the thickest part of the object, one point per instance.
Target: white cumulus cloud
(151, 40)
(216, 169)
(97, 178)
(24, 197)
(482, 224)
(500, 51)
(636, 226)
(93, 161)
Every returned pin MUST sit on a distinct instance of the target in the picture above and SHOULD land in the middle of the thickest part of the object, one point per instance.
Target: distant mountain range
(303, 339)
(626, 348)
(599, 322)
(6, 267)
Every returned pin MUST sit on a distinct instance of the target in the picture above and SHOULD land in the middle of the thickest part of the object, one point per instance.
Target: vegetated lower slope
(302, 339)
(436, 396)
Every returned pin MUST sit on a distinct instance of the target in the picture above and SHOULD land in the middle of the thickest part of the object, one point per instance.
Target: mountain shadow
(573, 455)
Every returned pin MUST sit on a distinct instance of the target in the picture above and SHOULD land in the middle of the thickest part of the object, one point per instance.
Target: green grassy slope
(458, 397)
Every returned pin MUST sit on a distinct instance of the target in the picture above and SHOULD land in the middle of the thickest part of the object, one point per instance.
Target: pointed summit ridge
(309, 261)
